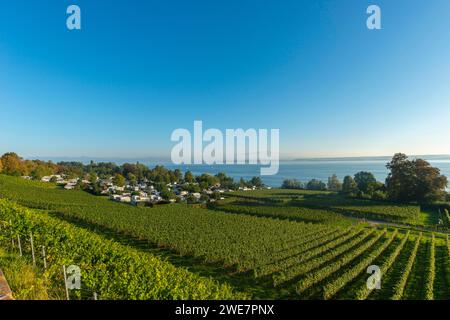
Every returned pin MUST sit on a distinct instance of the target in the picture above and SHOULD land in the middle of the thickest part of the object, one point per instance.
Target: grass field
(267, 244)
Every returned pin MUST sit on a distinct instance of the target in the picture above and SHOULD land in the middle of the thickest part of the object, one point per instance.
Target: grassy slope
(25, 281)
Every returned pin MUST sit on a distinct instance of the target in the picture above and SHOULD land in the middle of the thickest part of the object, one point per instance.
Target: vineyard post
(12, 240)
(65, 282)
(32, 249)
(20, 245)
(43, 257)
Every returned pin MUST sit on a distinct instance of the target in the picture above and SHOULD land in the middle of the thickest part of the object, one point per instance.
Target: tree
(193, 188)
(257, 182)
(92, 178)
(225, 181)
(1, 166)
(414, 180)
(291, 184)
(243, 183)
(119, 180)
(334, 184)
(178, 176)
(13, 165)
(189, 177)
(204, 197)
(38, 173)
(216, 195)
(132, 179)
(191, 199)
(80, 185)
(166, 194)
(71, 169)
(379, 195)
(206, 180)
(315, 184)
(365, 181)
(349, 185)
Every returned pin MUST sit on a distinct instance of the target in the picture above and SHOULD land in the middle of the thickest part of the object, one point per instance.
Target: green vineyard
(272, 244)
(114, 271)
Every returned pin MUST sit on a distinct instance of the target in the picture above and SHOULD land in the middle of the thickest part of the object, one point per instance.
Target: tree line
(408, 181)
(131, 173)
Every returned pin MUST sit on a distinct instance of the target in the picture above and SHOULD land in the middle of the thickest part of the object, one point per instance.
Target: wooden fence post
(65, 283)
(20, 245)
(43, 257)
(32, 249)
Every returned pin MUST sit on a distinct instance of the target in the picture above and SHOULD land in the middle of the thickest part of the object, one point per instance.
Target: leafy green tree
(193, 188)
(215, 196)
(178, 176)
(349, 185)
(334, 184)
(414, 180)
(95, 189)
(379, 195)
(242, 183)
(191, 199)
(92, 178)
(189, 177)
(315, 184)
(119, 180)
(71, 169)
(167, 194)
(365, 181)
(291, 184)
(257, 182)
(132, 179)
(80, 185)
(206, 180)
(38, 173)
(225, 181)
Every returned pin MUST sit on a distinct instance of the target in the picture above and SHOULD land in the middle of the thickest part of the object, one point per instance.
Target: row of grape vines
(110, 269)
(311, 260)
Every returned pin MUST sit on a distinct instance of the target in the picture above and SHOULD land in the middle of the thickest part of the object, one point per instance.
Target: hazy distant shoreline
(167, 161)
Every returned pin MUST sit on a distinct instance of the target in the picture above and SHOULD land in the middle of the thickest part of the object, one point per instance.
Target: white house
(70, 186)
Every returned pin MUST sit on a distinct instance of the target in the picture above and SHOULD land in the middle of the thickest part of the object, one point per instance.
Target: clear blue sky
(140, 69)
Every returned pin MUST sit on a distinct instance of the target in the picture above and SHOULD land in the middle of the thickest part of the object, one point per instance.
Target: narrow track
(5, 290)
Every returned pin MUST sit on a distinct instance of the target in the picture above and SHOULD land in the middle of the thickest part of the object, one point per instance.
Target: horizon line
(167, 159)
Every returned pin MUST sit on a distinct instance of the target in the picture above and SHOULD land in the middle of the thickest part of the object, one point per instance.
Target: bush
(379, 195)
(292, 184)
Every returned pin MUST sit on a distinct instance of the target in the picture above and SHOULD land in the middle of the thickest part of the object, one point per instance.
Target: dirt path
(399, 225)
(5, 290)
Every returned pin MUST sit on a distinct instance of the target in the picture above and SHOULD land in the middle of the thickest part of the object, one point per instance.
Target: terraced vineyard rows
(326, 202)
(333, 287)
(114, 271)
(302, 214)
(236, 240)
(364, 291)
(291, 258)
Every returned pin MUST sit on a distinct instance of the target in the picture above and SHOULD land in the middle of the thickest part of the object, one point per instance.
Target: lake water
(305, 170)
